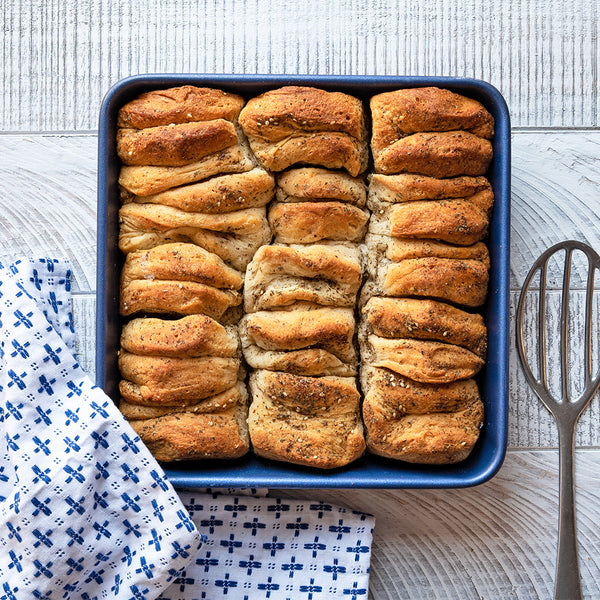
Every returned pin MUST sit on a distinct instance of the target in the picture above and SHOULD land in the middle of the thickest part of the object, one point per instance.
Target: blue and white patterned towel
(86, 512)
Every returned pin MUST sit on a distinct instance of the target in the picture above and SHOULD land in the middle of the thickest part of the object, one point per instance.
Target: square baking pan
(370, 471)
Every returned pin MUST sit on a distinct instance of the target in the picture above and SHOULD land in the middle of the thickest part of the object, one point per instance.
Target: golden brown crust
(164, 381)
(426, 320)
(445, 154)
(404, 112)
(423, 361)
(279, 113)
(279, 276)
(304, 125)
(309, 222)
(407, 187)
(194, 436)
(398, 249)
(455, 221)
(462, 282)
(234, 237)
(191, 336)
(174, 145)
(217, 195)
(420, 423)
(311, 421)
(146, 297)
(180, 262)
(149, 180)
(305, 341)
(213, 404)
(179, 105)
(329, 149)
(311, 183)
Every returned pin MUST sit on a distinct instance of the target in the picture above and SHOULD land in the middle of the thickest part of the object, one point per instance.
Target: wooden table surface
(59, 57)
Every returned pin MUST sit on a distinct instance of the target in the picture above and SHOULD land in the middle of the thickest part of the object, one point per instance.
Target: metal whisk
(566, 411)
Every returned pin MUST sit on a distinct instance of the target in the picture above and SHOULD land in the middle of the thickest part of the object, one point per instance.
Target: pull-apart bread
(306, 126)
(280, 276)
(419, 422)
(316, 205)
(233, 236)
(178, 279)
(312, 421)
(430, 131)
(216, 428)
(175, 137)
(303, 342)
(181, 389)
(421, 402)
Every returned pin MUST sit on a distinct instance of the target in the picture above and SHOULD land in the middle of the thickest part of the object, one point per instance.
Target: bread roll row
(193, 214)
(421, 346)
(247, 229)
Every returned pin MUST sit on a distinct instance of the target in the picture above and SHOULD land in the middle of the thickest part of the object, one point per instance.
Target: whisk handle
(567, 581)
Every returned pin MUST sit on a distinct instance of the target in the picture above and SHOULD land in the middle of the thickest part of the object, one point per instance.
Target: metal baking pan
(369, 471)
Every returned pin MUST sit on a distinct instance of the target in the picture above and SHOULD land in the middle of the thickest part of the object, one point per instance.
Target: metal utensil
(566, 411)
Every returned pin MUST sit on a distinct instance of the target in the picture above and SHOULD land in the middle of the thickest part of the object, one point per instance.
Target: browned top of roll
(278, 113)
(179, 105)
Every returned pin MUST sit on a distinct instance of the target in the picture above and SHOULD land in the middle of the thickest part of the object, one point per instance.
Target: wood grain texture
(544, 59)
(497, 540)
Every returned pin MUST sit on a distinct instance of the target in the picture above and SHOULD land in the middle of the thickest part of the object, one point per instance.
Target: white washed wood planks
(58, 58)
(491, 542)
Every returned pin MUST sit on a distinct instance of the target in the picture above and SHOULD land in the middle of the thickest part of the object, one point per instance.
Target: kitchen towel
(86, 512)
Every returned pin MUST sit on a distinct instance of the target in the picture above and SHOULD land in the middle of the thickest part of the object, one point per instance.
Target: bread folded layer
(217, 195)
(182, 104)
(234, 236)
(420, 423)
(313, 184)
(426, 319)
(151, 380)
(189, 337)
(174, 145)
(323, 274)
(440, 155)
(311, 222)
(401, 113)
(312, 421)
(196, 436)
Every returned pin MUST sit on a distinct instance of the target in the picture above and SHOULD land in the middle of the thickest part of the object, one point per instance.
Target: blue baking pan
(370, 471)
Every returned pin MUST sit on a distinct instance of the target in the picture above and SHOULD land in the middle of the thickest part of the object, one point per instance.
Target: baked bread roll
(279, 276)
(302, 342)
(398, 249)
(313, 184)
(172, 381)
(193, 435)
(312, 421)
(417, 422)
(425, 319)
(217, 195)
(401, 113)
(423, 361)
(462, 282)
(445, 154)
(304, 125)
(188, 337)
(183, 104)
(213, 404)
(455, 221)
(234, 237)
(178, 279)
(148, 180)
(310, 222)
(174, 145)
(408, 187)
